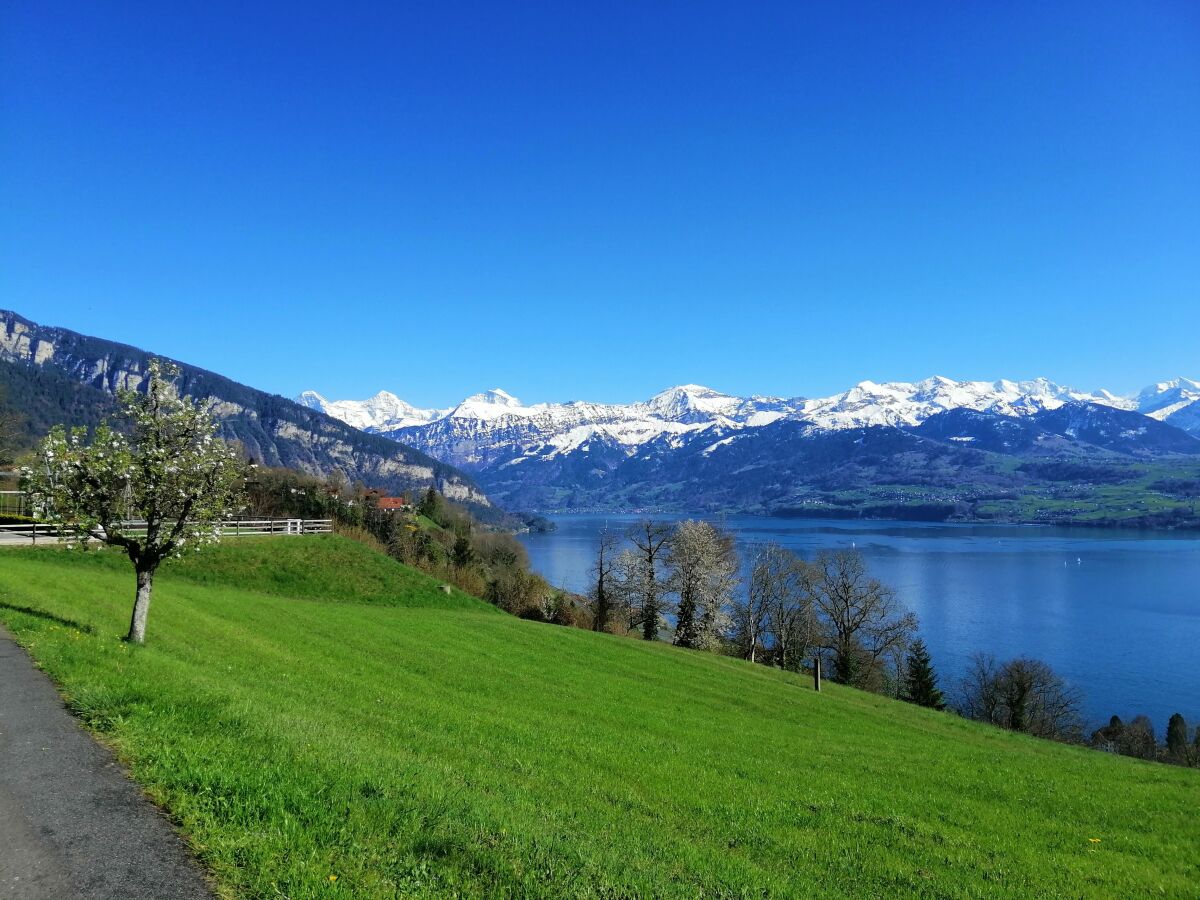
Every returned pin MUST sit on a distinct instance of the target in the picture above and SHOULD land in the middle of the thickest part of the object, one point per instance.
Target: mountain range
(692, 407)
(964, 448)
(54, 375)
(1030, 451)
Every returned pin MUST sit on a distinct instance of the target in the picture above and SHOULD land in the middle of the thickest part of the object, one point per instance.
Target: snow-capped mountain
(691, 447)
(905, 404)
(494, 428)
(373, 414)
(1174, 402)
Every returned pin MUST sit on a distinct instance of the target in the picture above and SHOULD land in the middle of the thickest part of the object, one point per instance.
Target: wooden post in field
(817, 674)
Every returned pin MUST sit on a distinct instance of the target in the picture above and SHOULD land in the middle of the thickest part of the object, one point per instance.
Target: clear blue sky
(600, 200)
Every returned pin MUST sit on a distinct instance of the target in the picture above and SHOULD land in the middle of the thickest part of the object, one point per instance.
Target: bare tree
(1022, 694)
(604, 590)
(980, 690)
(1138, 739)
(702, 561)
(776, 607)
(651, 539)
(626, 584)
(862, 622)
(751, 612)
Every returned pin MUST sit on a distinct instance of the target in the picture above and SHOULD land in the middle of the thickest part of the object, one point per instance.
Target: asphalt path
(72, 824)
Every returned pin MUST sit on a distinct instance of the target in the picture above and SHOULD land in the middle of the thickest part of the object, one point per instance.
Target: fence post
(817, 673)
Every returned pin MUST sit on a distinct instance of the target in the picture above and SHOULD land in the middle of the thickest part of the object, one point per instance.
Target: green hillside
(404, 742)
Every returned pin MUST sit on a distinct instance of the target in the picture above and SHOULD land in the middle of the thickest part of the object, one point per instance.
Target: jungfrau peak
(383, 410)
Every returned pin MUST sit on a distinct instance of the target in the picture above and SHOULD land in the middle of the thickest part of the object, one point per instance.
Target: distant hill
(55, 375)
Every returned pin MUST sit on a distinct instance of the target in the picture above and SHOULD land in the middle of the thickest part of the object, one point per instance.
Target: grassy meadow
(321, 721)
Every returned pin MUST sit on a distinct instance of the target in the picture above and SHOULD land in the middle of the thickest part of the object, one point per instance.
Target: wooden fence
(36, 533)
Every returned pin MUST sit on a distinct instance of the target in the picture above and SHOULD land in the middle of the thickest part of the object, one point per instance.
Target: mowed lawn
(322, 721)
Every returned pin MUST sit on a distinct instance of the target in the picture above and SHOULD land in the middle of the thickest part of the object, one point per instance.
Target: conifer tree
(921, 681)
(464, 552)
(1177, 735)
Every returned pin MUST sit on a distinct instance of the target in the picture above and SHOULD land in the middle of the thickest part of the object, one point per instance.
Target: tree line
(681, 583)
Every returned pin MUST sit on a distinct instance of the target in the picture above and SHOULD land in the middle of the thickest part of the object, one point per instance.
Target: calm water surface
(1116, 613)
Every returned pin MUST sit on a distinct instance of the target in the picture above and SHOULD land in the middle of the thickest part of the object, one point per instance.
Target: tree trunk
(141, 606)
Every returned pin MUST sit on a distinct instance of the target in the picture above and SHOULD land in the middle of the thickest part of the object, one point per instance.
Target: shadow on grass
(50, 617)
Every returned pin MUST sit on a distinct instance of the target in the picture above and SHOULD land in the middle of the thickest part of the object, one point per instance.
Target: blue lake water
(1117, 613)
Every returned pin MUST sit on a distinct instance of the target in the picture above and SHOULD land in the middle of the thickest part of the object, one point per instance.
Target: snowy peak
(493, 404)
(1178, 384)
(1176, 402)
(494, 397)
(1167, 393)
(383, 410)
(692, 401)
(494, 428)
(900, 403)
(312, 400)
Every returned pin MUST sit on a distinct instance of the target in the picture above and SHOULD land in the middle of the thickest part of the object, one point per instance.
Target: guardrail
(37, 533)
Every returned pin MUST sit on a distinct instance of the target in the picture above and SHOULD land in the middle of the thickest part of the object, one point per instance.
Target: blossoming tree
(165, 488)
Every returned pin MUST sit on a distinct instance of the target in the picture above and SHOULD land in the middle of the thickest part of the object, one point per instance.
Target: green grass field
(323, 722)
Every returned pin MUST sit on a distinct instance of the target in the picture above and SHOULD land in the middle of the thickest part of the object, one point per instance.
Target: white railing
(239, 527)
(27, 533)
(31, 533)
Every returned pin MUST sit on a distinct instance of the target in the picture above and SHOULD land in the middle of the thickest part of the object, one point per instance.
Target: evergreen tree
(432, 506)
(464, 552)
(1177, 735)
(921, 681)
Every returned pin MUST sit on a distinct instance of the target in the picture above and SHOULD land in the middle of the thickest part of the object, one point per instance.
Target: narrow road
(72, 824)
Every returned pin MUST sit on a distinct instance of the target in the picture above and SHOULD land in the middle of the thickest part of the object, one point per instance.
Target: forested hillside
(54, 375)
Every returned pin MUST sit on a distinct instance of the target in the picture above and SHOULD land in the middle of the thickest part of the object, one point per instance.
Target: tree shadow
(48, 616)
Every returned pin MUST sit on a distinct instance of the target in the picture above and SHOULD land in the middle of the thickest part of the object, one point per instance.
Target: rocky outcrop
(274, 430)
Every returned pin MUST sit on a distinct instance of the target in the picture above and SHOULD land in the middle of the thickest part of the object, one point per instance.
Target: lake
(1116, 613)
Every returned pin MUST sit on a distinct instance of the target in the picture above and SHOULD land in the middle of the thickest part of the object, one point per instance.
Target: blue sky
(601, 200)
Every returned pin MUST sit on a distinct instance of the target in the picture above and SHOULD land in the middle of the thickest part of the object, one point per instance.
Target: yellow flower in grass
(1093, 840)
(332, 878)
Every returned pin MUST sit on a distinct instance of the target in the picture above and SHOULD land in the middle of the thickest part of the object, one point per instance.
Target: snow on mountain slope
(901, 403)
(494, 428)
(1176, 402)
(383, 410)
